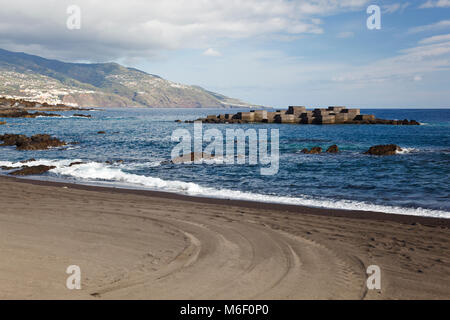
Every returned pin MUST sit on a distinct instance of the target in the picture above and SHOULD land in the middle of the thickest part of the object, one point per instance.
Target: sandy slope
(138, 246)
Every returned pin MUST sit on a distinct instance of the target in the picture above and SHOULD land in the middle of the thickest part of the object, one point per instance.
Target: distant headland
(104, 85)
(300, 115)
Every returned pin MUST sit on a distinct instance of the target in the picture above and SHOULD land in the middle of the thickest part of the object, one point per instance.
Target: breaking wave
(407, 150)
(100, 172)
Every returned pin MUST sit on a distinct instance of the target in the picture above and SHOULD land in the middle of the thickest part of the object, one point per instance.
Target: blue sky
(306, 70)
(269, 52)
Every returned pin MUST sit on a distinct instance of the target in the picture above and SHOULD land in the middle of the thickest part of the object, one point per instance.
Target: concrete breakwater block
(296, 110)
(299, 115)
(286, 118)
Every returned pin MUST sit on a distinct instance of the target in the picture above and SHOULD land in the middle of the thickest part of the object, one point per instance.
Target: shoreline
(340, 213)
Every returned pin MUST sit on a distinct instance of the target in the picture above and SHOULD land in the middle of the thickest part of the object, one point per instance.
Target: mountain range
(98, 85)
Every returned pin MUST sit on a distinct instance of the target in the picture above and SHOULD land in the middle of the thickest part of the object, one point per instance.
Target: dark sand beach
(134, 244)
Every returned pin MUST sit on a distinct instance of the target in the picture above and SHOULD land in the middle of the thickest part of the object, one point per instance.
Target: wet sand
(133, 244)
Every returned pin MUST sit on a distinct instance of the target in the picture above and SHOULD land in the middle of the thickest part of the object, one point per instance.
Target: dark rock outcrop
(333, 149)
(82, 115)
(29, 160)
(40, 142)
(12, 139)
(17, 113)
(76, 163)
(26, 171)
(314, 150)
(383, 150)
(36, 142)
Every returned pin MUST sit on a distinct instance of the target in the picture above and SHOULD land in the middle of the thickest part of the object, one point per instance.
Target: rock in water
(26, 171)
(333, 149)
(29, 160)
(314, 150)
(114, 161)
(40, 142)
(36, 142)
(18, 113)
(82, 115)
(76, 163)
(12, 139)
(383, 150)
(2, 122)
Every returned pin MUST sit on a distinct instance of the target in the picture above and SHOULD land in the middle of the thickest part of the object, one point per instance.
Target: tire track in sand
(243, 260)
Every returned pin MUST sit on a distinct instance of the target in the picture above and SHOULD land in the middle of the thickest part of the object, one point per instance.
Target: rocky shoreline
(12, 108)
(33, 105)
(18, 113)
(300, 115)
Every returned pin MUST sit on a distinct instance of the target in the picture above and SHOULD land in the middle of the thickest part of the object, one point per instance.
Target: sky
(268, 52)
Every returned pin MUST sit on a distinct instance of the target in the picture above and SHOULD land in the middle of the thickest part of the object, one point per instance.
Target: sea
(136, 149)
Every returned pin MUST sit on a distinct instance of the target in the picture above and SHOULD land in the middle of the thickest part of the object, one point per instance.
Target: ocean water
(414, 182)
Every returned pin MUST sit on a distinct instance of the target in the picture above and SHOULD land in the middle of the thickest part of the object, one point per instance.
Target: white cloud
(394, 7)
(407, 64)
(140, 28)
(436, 4)
(212, 53)
(444, 24)
(345, 35)
(433, 39)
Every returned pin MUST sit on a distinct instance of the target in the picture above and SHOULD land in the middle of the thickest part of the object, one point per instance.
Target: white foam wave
(140, 165)
(45, 117)
(78, 117)
(98, 172)
(73, 148)
(407, 150)
(45, 162)
(62, 117)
